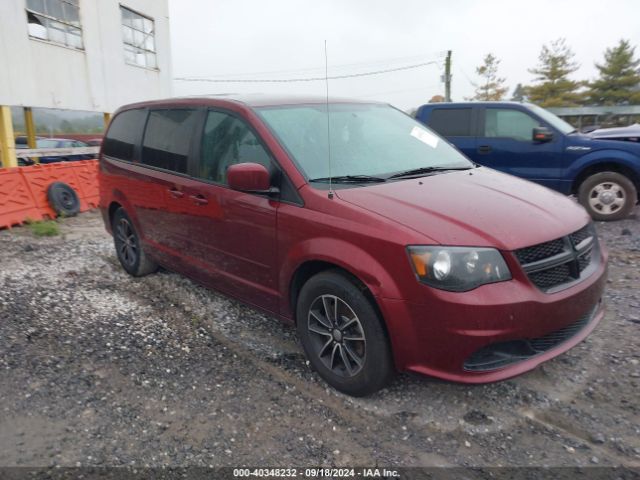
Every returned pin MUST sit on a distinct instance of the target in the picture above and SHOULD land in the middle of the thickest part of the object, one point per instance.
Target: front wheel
(608, 196)
(342, 335)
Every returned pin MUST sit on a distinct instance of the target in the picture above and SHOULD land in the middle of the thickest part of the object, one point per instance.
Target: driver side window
(227, 140)
(508, 124)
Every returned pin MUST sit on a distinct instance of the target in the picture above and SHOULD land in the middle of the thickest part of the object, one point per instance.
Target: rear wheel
(342, 335)
(128, 248)
(608, 196)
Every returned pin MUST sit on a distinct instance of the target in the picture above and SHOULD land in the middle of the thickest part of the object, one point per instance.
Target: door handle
(484, 149)
(175, 193)
(199, 199)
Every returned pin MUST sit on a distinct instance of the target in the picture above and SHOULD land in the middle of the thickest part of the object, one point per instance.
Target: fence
(23, 190)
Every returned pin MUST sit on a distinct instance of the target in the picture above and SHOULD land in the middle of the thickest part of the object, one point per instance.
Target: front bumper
(444, 335)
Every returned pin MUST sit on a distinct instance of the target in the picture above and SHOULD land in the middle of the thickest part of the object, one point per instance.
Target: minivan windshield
(367, 140)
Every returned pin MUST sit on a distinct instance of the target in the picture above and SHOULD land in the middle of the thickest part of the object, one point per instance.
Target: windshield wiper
(425, 170)
(350, 179)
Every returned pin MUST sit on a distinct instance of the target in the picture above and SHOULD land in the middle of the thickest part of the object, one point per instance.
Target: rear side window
(227, 140)
(451, 122)
(124, 134)
(167, 139)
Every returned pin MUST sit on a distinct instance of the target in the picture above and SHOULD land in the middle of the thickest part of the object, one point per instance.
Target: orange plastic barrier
(23, 190)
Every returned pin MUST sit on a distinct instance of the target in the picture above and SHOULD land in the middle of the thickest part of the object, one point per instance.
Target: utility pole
(447, 77)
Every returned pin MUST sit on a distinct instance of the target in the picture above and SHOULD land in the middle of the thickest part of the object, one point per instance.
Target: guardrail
(55, 152)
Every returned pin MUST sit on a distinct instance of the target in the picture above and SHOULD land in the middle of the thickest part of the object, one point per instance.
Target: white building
(92, 55)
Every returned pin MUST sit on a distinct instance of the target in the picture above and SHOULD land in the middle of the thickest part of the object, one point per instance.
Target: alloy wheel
(127, 242)
(337, 335)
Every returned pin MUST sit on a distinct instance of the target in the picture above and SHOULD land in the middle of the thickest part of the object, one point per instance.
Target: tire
(608, 196)
(128, 247)
(357, 359)
(63, 199)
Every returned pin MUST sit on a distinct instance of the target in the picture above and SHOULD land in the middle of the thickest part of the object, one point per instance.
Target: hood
(479, 207)
(596, 142)
(620, 133)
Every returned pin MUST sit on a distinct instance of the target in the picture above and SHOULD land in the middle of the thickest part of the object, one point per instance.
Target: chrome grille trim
(555, 265)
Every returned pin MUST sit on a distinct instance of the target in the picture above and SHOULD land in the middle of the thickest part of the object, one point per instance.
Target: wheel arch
(606, 165)
(310, 268)
(111, 211)
(117, 200)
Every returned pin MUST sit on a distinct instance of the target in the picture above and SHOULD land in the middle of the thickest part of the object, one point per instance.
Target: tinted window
(124, 133)
(451, 122)
(168, 137)
(228, 140)
(508, 123)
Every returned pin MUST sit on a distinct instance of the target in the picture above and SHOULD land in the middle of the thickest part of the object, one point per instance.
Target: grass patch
(46, 228)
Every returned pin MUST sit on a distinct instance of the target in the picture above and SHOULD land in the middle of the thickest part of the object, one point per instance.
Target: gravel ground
(98, 368)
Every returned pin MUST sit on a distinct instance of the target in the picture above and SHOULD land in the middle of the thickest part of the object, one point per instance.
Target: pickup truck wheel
(342, 335)
(128, 248)
(608, 196)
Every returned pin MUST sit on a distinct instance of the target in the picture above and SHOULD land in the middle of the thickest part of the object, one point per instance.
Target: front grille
(578, 237)
(541, 251)
(503, 354)
(557, 264)
(551, 277)
(584, 261)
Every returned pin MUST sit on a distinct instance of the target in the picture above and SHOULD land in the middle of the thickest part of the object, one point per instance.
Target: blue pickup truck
(530, 142)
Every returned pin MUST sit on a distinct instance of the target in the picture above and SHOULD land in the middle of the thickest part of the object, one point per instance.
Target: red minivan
(386, 247)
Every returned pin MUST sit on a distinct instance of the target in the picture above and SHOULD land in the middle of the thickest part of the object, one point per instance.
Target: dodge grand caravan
(387, 249)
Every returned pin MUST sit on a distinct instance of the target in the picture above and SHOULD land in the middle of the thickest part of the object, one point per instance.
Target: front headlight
(458, 269)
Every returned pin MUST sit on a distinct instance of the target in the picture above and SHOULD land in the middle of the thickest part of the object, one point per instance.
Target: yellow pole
(7, 140)
(31, 129)
(107, 119)
(30, 126)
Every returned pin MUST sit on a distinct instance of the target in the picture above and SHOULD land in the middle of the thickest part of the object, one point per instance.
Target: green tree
(619, 80)
(65, 126)
(553, 87)
(518, 94)
(491, 87)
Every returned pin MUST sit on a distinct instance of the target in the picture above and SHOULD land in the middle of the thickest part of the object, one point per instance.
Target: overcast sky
(284, 39)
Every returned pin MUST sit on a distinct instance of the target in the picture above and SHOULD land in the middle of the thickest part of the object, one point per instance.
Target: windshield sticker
(425, 137)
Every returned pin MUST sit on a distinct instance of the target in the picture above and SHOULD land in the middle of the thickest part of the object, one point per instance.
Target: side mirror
(249, 177)
(542, 135)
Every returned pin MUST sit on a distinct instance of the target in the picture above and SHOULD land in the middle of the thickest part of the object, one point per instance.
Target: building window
(56, 21)
(138, 34)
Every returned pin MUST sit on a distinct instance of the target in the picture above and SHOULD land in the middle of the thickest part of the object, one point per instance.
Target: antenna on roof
(326, 82)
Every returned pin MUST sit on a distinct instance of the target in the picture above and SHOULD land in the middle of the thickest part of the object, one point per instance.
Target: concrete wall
(41, 74)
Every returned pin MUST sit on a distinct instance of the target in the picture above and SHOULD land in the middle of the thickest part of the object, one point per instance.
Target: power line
(307, 79)
(390, 92)
(414, 58)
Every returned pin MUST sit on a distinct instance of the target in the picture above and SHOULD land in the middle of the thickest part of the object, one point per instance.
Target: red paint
(249, 246)
(248, 177)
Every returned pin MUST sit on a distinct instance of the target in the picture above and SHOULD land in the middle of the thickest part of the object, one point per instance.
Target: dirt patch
(98, 368)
